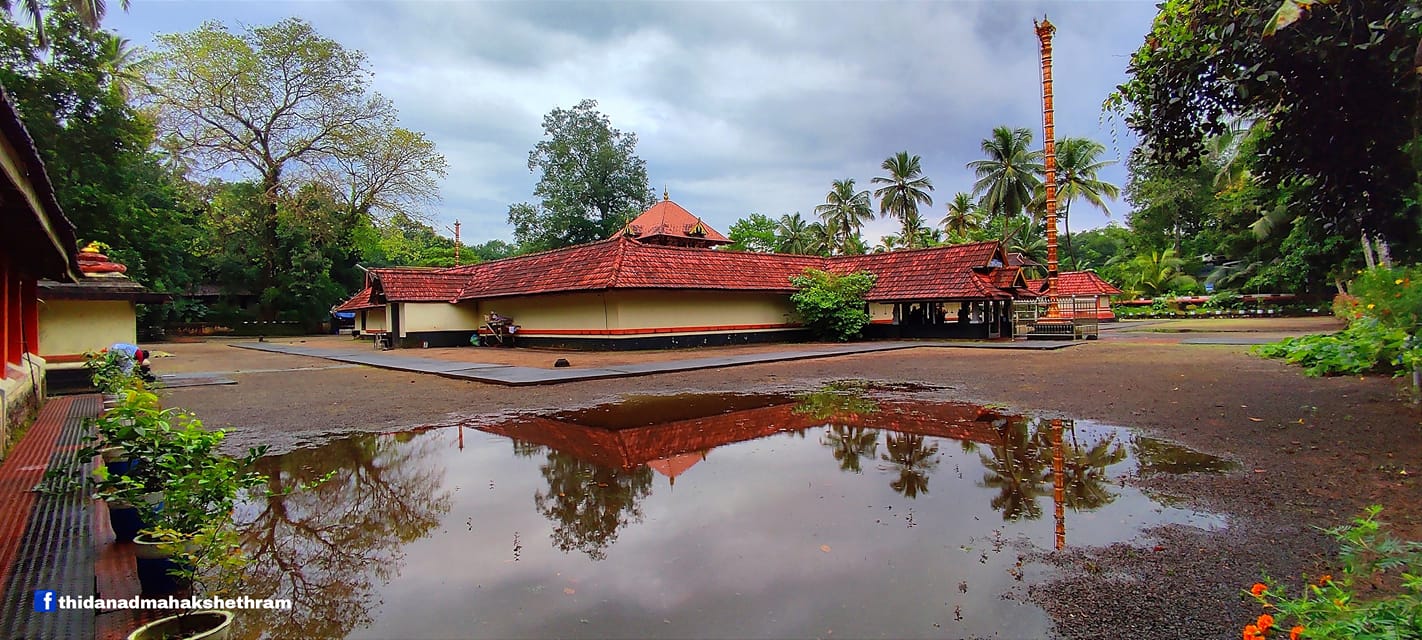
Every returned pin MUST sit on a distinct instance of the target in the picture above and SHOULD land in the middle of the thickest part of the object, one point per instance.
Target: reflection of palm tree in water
(915, 457)
(588, 504)
(1087, 487)
(1019, 467)
(324, 547)
(851, 444)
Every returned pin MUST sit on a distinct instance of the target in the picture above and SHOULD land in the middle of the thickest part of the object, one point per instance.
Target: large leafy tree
(96, 150)
(1337, 87)
(285, 106)
(755, 232)
(591, 182)
(1009, 176)
(844, 213)
(905, 188)
(1078, 167)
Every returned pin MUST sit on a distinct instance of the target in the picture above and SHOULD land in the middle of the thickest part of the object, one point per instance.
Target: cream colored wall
(439, 316)
(374, 320)
(880, 311)
(581, 311)
(69, 327)
(652, 309)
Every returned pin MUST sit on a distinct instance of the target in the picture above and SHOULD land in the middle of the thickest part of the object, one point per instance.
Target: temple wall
(72, 327)
(701, 311)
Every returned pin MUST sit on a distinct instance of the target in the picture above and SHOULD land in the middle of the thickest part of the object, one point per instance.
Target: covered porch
(949, 319)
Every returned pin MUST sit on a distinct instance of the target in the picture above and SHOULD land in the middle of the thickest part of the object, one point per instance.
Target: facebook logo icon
(45, 600)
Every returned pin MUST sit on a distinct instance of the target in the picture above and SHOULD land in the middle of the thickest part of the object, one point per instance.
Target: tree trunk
(270, 183)
(1368, 251)
(1066, 226)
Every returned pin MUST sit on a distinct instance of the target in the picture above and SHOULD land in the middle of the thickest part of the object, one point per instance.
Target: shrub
(1366, 345)
(1331, 608)
(1224, 301)
(832, 305)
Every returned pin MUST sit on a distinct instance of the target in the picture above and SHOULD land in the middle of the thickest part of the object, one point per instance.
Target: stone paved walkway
(403, 360)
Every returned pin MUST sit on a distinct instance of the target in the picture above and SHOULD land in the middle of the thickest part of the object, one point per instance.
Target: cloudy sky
(739, 107)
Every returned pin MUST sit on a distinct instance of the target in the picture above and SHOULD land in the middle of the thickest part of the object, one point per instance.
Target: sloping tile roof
(962, 272)
(363, 300)
(927, 274)
(409, 284)
(1077, 283)
(38, 238)
(667, 218)
(658, 267)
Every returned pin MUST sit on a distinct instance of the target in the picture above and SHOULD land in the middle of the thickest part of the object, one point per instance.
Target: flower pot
(155, 566)
(125, 520)
(198, 625)
(116, 460)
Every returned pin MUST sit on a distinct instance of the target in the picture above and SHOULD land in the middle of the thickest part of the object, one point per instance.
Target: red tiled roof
(942, 273)
(363, 300)
(667, 218)
(962, 272)
(1077, 283)
(408, 284)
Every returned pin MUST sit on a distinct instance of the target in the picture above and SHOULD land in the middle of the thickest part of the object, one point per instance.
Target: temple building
(661, 282)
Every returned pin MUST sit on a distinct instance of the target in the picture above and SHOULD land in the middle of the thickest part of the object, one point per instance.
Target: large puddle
(846, 512)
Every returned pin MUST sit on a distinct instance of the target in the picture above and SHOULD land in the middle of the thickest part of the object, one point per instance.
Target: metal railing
(1077, 319)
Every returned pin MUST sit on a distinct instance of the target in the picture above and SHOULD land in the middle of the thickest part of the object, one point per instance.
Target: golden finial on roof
(93, 247)
(665, 196)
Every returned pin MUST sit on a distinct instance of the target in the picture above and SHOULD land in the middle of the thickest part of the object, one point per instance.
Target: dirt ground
(1312, 452)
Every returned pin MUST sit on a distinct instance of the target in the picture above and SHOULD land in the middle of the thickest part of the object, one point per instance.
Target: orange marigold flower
(1258, 589)
(1251, 632)
(1265, 621)
(1295, 632)
(1325, 579)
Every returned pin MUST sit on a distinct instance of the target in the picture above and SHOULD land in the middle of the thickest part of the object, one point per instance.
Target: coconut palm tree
(904, 189)
(1019, 468)
(963, 217)
(845, 211)
(793, 234)
(123, 62)
(1078, 161)
(1007, 178)
(90, 12)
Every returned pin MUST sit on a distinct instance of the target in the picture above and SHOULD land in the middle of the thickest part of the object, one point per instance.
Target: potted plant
(126, 480)
(199, 487)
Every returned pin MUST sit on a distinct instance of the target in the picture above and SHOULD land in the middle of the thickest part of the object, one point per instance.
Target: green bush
(1224, 301)
(1332, 608)
(1366, 345)
(832, 305)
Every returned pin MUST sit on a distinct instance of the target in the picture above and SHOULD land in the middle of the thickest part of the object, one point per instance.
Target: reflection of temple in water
(1025, 459)
(666, 434)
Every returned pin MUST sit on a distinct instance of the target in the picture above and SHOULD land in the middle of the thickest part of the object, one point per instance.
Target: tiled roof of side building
(1078, 283)
(365, 299)
(418, 285)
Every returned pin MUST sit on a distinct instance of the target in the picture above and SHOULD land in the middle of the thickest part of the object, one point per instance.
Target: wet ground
(851, 510)
(1307, 452)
